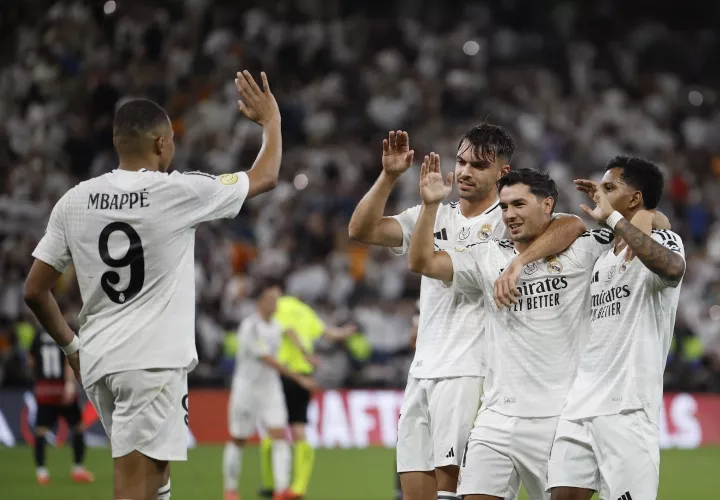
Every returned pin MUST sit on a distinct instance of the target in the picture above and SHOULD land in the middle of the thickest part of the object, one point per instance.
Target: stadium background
(574, 82)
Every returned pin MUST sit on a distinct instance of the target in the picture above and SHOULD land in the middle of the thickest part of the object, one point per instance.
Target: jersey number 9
(134, 258)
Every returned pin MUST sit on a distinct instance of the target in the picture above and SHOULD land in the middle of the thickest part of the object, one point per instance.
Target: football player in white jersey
(130, 235)
(257, 393)
(608, 436)
(532, 346)
(446, 377)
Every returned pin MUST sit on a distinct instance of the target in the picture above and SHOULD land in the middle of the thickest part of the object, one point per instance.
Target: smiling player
(446, 377)
(608, 437)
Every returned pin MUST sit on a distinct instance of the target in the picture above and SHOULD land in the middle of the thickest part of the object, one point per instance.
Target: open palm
(433, 189)
(603, 208)
(397, 155)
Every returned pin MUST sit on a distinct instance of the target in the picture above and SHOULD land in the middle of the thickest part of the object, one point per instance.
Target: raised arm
(562, 232)
(422, 257)
(367, 224)
(668, 265)
(261, 107)
(665, 263)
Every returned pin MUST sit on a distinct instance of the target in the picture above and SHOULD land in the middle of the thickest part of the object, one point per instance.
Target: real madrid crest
(554, 266)
(485, 231)
(464, 233)
(610, 274)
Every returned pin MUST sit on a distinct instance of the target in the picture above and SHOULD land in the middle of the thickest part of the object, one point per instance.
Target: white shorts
(504, 451)
(435, 421)
(614, 455)
(251, 405)
(144, 410)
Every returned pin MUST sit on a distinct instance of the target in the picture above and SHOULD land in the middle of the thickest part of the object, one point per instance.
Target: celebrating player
(446, 378)
(608, 436)
(56, 396)
(130, 234)
(257, 394)
(532, 346)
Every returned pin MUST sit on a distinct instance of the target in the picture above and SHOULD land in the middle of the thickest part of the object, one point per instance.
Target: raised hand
(603, 208)
(397, 155)
(258, 105)
(433, 189)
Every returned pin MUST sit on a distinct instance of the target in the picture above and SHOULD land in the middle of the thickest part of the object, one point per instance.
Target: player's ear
(504, 169)
(159, 145)
(636, 200)
(547, 205)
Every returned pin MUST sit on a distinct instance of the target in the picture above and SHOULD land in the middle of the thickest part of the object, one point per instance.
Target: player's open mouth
(514, 226)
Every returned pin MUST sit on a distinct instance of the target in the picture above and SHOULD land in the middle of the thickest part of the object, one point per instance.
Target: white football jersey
(131, 237)
(256, 337)
(632, 320)
(533, 347)
(451, 331)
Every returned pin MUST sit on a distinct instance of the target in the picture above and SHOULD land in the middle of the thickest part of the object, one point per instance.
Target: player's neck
(473, 208)
(136, 164)
(620, 243)
(264, 315)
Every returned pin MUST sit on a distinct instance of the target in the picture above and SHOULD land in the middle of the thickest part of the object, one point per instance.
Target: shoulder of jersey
(667, 234)
(668, 238)
(197, 172)
(602, 236)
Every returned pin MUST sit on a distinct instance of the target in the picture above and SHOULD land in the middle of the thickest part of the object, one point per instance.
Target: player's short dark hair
(540, 183)
(137, 118)
(268, 283)
(642, 175)
(488, 140)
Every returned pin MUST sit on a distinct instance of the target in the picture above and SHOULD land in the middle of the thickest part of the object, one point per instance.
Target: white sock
(232, 463)
(164, 492)
(42, 471)
(447, 495)
(281, 464)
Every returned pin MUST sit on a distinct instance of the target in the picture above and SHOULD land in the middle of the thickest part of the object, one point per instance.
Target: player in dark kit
(55, 393)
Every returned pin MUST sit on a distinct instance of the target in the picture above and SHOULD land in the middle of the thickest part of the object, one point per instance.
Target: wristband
(72, 347)
(613, 219)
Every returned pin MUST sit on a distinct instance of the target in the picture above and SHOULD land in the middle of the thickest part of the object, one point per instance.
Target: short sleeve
(53, 248)
(671, 241)
(407, 220)
(467, 275)
(592, 244)
(215, 197)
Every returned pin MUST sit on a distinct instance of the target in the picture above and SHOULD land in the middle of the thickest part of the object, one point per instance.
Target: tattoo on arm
(660, 260)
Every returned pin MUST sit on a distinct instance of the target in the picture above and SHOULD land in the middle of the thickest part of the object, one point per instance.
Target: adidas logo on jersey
(626, 496)
(602, 236)
(451, 453)
(441, 235)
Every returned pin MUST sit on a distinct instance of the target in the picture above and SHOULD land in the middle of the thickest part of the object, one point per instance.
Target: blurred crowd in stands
(574, 82)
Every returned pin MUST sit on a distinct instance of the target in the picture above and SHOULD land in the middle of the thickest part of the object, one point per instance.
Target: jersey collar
(490, 209)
